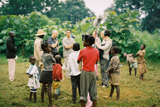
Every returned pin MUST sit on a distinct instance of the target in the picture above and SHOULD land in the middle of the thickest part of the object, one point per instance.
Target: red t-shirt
(89, 57)
(57, 72)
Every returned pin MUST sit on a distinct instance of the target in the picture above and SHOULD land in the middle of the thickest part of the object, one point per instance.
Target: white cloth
(106, 47)
(73, 66)
(11, 66)
(33, 81)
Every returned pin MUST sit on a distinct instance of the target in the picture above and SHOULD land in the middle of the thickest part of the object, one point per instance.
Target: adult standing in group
(37, 49)
(97, 41)
(53, 41)
(11, 55)
(67, 49)
(105, 47)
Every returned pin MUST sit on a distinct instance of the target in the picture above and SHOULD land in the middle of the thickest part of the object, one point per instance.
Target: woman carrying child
(141, 61)
(46, 75)
(132, 62)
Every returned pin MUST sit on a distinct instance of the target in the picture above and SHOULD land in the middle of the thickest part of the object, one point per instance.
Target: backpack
(101, 52)
(113, 44)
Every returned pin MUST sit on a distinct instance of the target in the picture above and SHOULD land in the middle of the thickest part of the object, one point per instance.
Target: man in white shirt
(67, 49)
(73, 69)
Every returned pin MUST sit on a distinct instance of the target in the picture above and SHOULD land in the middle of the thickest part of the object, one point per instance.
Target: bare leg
(142, 76)
(82, 103)
(30, 96)
(135, 71)
(118, 91)
(94, 103)
(49, 95)
(35, 99)
(130, 69)
(112, 90)
(42, 92)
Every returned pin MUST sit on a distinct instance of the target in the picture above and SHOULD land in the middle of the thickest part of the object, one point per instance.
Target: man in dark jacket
(11, 55)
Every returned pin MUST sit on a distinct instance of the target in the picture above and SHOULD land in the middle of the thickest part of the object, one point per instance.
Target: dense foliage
(124, 32)
(148, 8)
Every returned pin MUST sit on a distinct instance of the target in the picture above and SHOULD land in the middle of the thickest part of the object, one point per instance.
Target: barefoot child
(141, 61)
(57, 76)
(73, 69)
(132, 62)
(46, 75)
(88, 82)
(33, 82)
(114, 70)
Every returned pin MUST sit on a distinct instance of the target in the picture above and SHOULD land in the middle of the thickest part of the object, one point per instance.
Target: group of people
(80, 65)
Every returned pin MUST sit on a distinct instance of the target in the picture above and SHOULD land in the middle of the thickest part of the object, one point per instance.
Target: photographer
(104, 58)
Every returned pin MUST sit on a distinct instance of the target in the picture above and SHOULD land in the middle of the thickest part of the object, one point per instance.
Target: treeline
(70, 10)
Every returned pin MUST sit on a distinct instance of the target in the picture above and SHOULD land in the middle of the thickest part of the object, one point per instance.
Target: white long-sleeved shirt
(72, 65)
(106, 47)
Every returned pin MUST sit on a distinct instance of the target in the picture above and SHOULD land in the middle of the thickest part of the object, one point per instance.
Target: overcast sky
(97, 6)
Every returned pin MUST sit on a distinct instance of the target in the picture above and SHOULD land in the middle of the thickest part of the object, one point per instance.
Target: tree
(149, 8)
(76, 10)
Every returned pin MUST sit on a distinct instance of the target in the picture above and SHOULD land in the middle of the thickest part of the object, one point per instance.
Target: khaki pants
(11, 66)
(65, 63)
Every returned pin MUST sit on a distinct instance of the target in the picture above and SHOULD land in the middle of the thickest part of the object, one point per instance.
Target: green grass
(19, 60)
(133, 91)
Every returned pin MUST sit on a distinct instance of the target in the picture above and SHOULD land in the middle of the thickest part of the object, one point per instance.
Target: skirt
(114, 79)
(142, 68)
(46, 77)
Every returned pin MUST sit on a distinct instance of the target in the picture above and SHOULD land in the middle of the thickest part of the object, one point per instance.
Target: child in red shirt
(88, 82)
(57, 76)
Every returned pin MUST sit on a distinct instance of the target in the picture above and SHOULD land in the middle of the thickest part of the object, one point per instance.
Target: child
(141, 61)
(46, 75)
(57, 76)
(114, 70)
(33, 82)
(132, 62)
(72, 67)
(88, 82)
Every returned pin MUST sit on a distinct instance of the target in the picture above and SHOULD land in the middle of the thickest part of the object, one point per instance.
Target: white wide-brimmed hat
(40, 32)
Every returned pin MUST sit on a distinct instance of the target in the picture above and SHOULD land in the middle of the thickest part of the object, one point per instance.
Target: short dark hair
(76, 47)
(55, 53)
(31, 56)
(107, 33)
(90, 39)
(144, 46)
(11, 32)
(44, 45)
(115, 49)
(58, 59)
(68, 30)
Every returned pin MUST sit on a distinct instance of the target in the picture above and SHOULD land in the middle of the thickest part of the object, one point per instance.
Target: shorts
(32, 89)
(56, 86)
(134, 64)
(88, 83)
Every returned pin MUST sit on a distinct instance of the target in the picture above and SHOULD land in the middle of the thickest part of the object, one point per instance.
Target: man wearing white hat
(37, 49)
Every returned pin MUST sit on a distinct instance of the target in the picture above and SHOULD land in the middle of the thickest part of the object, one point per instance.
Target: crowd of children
(81, 67)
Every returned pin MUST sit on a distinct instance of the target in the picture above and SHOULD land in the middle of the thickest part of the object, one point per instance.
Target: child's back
(72, 63)
(57, 72)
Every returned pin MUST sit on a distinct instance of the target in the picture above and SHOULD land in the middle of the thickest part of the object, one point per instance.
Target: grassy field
(133, 91)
